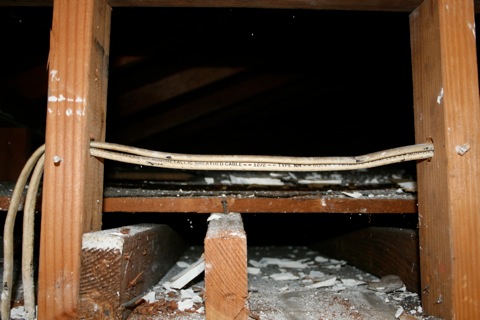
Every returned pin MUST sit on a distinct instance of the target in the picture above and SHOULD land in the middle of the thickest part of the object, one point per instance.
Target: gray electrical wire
(145, 157)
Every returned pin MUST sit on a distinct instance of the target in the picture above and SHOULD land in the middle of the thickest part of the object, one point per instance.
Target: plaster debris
(253, 270)
(284, 263)
(321, 181)
(209, 180)
(388, 283)
(284, 276)
(352, 194)
(256, 181)
(150, 297)
(326, 283)
(316, 292)
(399, 312)
(183, 264)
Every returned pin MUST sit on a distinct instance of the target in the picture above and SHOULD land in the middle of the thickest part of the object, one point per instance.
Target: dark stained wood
(308, 204)
(446, 105)
(73, 185)
(226, 279)
(120, 264)
(379, 251)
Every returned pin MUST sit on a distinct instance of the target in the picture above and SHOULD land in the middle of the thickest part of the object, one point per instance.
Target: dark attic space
(200, 83)
(232, 81)
(274, 82)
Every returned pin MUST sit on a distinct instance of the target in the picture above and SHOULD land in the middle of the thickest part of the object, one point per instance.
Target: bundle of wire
(145, 157)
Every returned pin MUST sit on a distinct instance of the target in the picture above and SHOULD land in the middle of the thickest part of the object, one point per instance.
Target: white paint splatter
(50, 110)
(61, 98)
(69, 112)
(53, 75)
(440, 96)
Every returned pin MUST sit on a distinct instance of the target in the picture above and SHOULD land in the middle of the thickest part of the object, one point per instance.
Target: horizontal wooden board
(367, 191)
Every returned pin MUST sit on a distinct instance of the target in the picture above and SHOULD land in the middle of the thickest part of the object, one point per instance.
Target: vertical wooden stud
(226, 279)
(447, 112)
(73, 181)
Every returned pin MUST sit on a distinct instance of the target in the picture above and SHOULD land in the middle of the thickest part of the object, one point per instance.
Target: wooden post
(447, 112)
(73, 181)
(226, 279)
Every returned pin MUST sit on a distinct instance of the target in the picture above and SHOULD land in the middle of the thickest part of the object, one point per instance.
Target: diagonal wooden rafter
(172, 86)
(219, 99)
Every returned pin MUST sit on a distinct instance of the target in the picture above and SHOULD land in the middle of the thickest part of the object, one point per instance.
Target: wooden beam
(379, 251)
(121, 264)
(73, 181)
(204, 105)
(376, 5)
(207, 204)
(172, 86)
(447, 112)
(226, 279)
(370, 5)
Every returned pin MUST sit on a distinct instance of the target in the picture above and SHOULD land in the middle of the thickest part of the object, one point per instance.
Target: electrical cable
(258, 163)
(28, 241)
(146, 157)
(8, 240)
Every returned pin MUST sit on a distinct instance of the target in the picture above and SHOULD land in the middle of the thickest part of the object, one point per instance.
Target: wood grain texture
(73, 185)
(119, 265)
(380, 251)
(226, 279)
(259, 205)
(447, 112)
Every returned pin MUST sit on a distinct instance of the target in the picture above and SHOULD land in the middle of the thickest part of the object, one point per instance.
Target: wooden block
(121, 264)
(379, 251)
(226, 279)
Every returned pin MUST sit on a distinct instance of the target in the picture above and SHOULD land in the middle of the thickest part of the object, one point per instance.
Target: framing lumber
(447, 112)
(226, 279)
(380, 251)
(377, 5)
(369, 5)
(73, 181)
(172, 86)
(119, 265)
(314, 204)
(203, 106)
